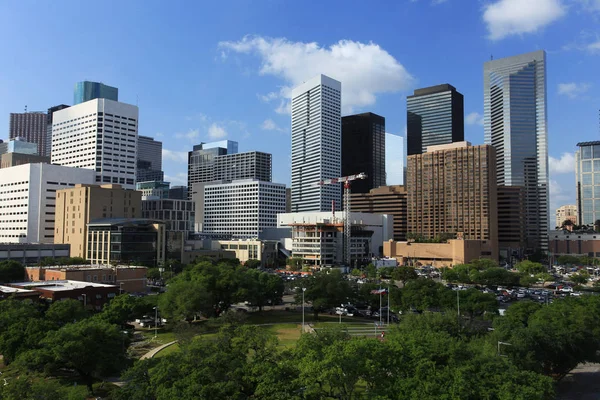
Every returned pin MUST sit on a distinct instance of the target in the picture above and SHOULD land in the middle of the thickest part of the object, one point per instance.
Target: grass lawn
(276, 316)
(163, 336)
(168, 350)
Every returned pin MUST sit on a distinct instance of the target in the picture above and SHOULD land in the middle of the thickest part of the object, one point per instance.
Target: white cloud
(270, 125)
(365, 70)
(516, 17)
(572, 89)
(285, 107)
(159, 134)
(216, 131)
(268, 97)
(563, 165)
(589, 5)
(177, 156)
(474, 118)
(192, 135)
(178, 179)
(558, 196)
(593, 47)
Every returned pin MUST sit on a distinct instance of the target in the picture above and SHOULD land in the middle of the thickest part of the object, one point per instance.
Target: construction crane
(347, 228)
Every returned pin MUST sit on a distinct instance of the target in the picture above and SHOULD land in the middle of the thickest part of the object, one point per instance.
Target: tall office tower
(566, 213)
(515, 124)
(435, 115)
(149, 160)
(395, 159)
(242, 208)
(587, 175)
(452, 190)
(48, 143)
(389, 200)
(249, 165)
(86, 91)
(511, 223)
(30, 126)
(28, 200)
(316, 144)
(77, 206)
(201, 160)
(363, 150)
(101, 135)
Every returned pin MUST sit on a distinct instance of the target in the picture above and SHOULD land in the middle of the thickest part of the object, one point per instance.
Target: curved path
(155, 350)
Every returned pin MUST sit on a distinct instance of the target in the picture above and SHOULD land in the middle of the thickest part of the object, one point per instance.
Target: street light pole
(380, 294)
(84, 300)
(303, 290)
(120, 287)
(458, 304)
(388, 318)
(155, 322)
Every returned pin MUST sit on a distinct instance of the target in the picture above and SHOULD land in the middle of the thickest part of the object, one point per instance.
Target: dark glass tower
(86, 91)
(435, 115)
(363, 150)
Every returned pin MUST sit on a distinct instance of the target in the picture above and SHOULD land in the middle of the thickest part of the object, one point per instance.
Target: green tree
(423, 294)
(544, 277)
(568, 260)
(580, 278)
(11, 271)
(498, 277)
(475, 303)
(252, 263)
(371, 271)
(92, 348)
(483, 263)
(295, 263)
(122, 309)
(325, 290)
(356, 272)
(530, 267)
(404, 274)
(21, 328)
(28, 386)
(261, 288)
(66, 311)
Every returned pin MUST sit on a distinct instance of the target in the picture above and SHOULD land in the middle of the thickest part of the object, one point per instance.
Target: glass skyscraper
(515, 124)
(435, 115)
(86, 91)
(587, 175)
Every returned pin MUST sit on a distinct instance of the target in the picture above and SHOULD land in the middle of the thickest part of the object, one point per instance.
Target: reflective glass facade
(587, 176)
(86, 91)
(515, 124)
(435, 115)
(363, 150)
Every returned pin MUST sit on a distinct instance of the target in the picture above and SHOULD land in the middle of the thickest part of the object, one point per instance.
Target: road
(583, 383)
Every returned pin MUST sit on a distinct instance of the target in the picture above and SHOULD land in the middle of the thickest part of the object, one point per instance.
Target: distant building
(178, 192)
(242, 208)
(318, 237)
(449, 254)
(93, 295)
(178, 215)
(435, 116)
(149, 160)
(20, 146)
(566, 213)
(153, 189)
(515, 123)
(49, 119)
(316, 143)
(86, 91)
(201, 160)
(32, 253)
(262, 250)
(390, 200)
(452, 190)
(107, 144)
(126, 241)
(288, 200)
(78, 206)
(7, 292)
(127, 278)
(574, 243)
(511, 223)
(587, 168)
(363, 150)
(18, 152)
(28, 200)
(29, 126)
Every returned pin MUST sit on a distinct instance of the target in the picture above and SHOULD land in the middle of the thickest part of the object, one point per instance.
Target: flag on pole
(379, 291)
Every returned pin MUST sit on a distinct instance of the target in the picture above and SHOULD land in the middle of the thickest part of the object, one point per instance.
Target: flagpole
(388, 319)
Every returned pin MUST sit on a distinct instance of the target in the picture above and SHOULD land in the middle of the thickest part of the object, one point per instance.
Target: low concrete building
(32, 253)
(318, 237)
(93, 295)
(264, 251)
(455, 251)
(130, 279)
(574, 243)
(126, 241)
(7, 292)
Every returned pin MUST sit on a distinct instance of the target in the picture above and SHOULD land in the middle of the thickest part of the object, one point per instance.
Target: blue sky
(202, 71)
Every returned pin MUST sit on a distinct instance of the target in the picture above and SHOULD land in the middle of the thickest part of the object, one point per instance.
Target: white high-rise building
(316, 144)
(242, 208)
(100, 135)
(28, 199)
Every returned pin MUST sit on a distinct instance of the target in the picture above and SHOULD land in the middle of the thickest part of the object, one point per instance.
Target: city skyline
(228, 85)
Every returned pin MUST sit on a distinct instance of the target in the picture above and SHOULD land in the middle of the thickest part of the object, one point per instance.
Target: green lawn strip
(163, 336)
(168, 350)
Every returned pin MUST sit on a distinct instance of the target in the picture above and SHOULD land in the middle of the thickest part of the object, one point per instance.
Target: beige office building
(82, 204)
(389, 200)
(566, 213)
(452, 190)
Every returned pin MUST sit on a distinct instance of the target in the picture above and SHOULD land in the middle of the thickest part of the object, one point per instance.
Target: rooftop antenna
(26, 108)
(491, 57)
(137, 100)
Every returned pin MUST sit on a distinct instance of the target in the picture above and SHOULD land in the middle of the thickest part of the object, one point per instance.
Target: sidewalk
(153, 352)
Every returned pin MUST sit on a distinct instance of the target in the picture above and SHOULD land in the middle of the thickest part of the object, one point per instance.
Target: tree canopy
(11, 271)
